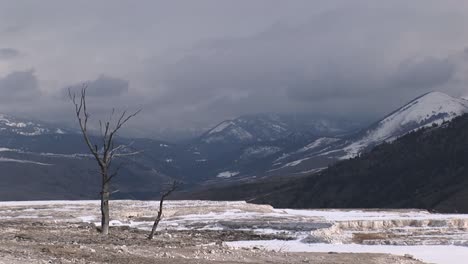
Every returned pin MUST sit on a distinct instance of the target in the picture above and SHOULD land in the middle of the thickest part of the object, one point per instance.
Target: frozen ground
(256, 229)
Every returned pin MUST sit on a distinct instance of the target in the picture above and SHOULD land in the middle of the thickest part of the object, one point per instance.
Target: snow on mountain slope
(12, 125)
(247, 129)
(429, 109)
(270, 127)
(259, 152)
(424, 111)
(319, 143)
(221, 127)
(227, 130)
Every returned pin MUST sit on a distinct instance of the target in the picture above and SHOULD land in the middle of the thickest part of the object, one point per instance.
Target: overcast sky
(190, 64)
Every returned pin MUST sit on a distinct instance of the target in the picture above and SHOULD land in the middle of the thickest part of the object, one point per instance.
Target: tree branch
(174, 186)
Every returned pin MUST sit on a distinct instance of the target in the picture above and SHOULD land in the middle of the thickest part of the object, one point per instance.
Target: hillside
(271, 127)
(423, 111)
(425, 169)
(45, 161)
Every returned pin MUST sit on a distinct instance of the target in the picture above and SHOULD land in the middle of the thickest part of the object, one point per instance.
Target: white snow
(227, 174)
(8, 150)
(311, 171)
(260, 151)
(52, 202)
(26, 128)
(431, 254)
(87, 218)
(429, 237)
(318, 143)
(356, 215)
(221, 127)
(70, 156)
(12, 124)
(282, 157)
(233, 131)
(24, 161)
(432, 108)
(74, 155)
(294, 163)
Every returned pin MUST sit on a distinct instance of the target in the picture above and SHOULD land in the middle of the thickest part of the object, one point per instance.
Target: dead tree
(173, 187)
(103, 153)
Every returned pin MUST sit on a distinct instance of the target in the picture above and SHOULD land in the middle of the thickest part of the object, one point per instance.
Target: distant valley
(44, 161)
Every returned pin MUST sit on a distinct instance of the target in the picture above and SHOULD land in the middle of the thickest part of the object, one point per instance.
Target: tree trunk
(156, 223)
(105, 207)
(160, 212)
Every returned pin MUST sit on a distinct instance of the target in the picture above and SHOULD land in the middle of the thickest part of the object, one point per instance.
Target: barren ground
(193, 232)
(29, 241)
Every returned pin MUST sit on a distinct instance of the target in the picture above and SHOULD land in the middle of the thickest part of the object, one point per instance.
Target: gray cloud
(427, 73)
(8, 53)
(103, 86)
(339, 62)
(19, 85)
(356, 60)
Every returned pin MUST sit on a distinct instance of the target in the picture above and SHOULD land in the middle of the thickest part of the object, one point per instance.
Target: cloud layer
(103, 86)
(192, 64)
(8, 53)
(20, 87)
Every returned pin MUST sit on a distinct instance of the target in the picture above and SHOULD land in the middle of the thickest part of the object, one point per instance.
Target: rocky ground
(30, 241)
(213, 232)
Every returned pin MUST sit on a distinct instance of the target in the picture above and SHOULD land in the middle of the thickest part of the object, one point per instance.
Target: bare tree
(173, 187)
(103, 153)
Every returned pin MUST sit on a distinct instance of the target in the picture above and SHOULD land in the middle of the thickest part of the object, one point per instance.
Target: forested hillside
(425, 169)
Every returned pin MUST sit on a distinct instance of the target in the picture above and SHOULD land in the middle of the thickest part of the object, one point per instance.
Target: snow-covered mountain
(270, 127)
(45, 161)
(245, 147)
(248, 143)
(427, 110)
(430, 109)
(15, 126)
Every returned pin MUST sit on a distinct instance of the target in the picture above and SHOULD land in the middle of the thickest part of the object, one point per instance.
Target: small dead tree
(103, 153)
(173, 187)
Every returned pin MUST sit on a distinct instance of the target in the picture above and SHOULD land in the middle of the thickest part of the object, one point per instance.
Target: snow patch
(321, 142)
(294, 163)
(227, 174)
(24, 161)
(429, 253)
(260, 152)
(221, 127)
(432, 108)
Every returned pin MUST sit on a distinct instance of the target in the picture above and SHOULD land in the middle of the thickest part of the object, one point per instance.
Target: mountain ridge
(425, 110)
(424, 169)
(279, 147)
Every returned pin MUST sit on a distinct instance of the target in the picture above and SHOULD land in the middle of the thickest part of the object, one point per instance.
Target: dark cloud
(341, 61)
(20, 85)
(359, 59)
(8, 53)
(427, 73)
(103, 86)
